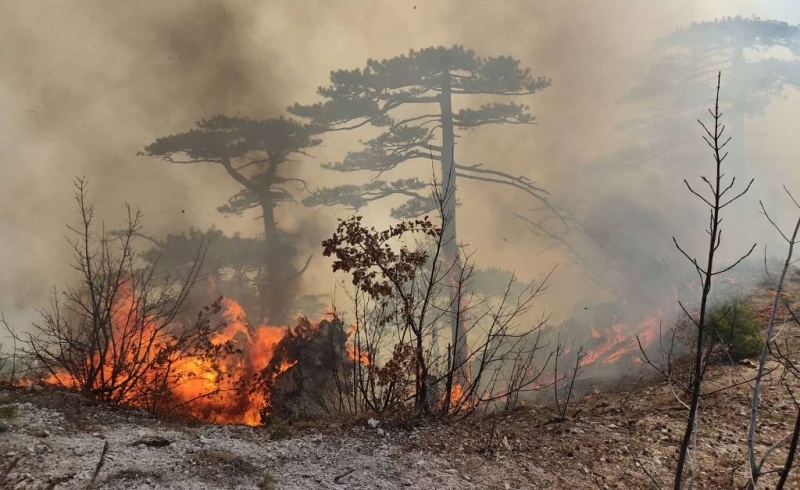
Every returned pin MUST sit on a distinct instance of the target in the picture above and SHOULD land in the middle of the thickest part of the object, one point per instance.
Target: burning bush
(121, 335)
(405, 297)
(124, 335)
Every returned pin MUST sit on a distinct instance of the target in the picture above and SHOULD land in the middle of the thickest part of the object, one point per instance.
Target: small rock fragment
(748, 363)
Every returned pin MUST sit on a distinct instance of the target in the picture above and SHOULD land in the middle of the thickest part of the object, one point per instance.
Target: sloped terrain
(621, 438)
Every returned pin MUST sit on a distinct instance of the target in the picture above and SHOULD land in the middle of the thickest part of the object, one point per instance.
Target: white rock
(373, 423)
(381, 432)
(205, 440)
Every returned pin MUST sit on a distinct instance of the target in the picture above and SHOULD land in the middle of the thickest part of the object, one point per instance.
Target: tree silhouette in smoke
(689, 58)
(233, 264)
(255, 153)
(693, 53)
(421, 86)
(670, 92)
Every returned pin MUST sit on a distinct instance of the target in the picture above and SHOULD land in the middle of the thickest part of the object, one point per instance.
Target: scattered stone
(373, 423)
(381, 432)
(4, 427)
(748, 363)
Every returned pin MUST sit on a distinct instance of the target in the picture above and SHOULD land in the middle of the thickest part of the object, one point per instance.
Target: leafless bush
(403, 295)
(785, 353)
(564, 382)
(14, 368)
(119, 334)
(716, 201)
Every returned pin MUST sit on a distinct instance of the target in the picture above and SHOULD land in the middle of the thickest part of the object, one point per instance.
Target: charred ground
(621, 435)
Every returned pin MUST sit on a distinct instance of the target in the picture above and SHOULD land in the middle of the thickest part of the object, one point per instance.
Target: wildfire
(219, 392)
(456, 392)
(622, 341)
(358, 355)
(133, 334)
(355, 351)
(225, 387)
(211, 390)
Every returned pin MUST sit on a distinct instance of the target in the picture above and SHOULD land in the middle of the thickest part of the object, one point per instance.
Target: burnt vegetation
(223, 329)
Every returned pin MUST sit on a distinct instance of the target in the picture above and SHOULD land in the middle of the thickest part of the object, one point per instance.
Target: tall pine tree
(411, 96)
(254, 153)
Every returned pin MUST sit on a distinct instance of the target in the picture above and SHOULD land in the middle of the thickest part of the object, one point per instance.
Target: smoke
(630, 204)
(83, 89)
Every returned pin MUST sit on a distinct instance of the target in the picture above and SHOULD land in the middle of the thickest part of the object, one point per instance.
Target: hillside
(622, 437)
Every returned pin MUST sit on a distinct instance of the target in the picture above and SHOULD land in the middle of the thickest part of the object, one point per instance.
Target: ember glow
(621, 341)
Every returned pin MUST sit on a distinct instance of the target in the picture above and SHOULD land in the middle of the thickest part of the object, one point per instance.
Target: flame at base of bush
(227, 377)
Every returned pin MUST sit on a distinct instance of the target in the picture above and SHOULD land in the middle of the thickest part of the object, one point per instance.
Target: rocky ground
(620, 438)
(59, 439)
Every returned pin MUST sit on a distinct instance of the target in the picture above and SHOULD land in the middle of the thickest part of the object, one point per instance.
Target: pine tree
(255, 153)
(421, 86)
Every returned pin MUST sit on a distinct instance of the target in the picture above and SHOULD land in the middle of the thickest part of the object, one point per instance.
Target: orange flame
(231, 402)
(360, 356)
(355, 351)
(456, 392)
(622, 341)
(215, 392)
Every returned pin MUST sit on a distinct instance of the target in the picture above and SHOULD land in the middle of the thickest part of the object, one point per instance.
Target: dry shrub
(122, 332)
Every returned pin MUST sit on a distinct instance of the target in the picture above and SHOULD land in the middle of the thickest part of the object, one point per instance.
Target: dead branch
(98, 467)
(342, 475)
(756, 467)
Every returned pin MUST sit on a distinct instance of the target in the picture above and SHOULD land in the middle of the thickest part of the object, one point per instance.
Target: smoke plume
(85, 86)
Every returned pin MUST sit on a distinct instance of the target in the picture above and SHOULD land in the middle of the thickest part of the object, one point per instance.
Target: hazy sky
(86, 84)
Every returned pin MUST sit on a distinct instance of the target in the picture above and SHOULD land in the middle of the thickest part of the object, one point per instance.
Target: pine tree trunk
(274, 291)
(450, 248)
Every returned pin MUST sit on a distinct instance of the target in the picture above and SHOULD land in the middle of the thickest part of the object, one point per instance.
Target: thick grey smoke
(83, 87)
